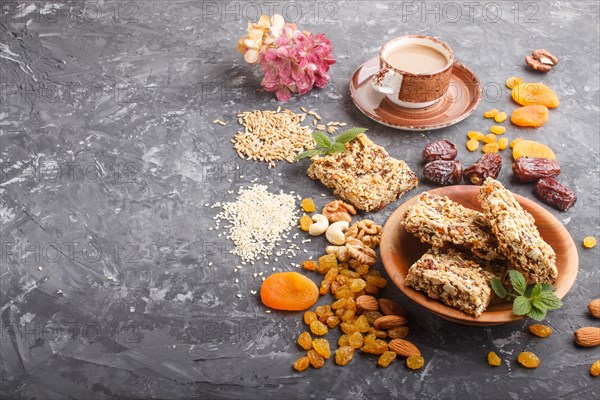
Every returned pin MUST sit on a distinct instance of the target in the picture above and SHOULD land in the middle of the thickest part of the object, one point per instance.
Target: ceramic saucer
(463, 96)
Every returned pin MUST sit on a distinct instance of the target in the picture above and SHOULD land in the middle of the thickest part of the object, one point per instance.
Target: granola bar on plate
(518, 237)
(364, 175)
(439, 221)
(450, 277)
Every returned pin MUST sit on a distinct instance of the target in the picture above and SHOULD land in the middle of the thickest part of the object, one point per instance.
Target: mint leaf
(537, 313)
(336, 148)
(498, 288)
(517, 281)
(521, 305)
(535, 292)
(548, 301)
(546, 287)
(321, 139)
(309, 153)
(348, 135)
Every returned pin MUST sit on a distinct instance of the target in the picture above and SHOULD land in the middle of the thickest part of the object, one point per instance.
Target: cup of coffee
(415, 70)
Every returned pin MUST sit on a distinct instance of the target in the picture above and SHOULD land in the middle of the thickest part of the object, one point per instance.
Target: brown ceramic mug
(415, 70)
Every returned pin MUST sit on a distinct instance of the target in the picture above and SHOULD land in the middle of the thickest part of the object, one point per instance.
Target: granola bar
(518, 237)
(364, 175)
(448, 276)
(439, 221)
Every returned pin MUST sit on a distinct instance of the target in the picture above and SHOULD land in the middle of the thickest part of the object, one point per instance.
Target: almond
(594, 308)
(404, 348)
(389, 322)
(390, 307)
(587, 337)
(367, 303)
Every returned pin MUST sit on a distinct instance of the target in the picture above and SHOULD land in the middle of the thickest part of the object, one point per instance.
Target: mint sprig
(326, 146)
(530, 300)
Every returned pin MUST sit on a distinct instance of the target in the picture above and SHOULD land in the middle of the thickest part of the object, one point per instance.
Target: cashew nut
(319, 226)
(335, 233)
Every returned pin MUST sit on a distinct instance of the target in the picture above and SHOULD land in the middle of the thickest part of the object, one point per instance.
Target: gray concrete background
(109, 156)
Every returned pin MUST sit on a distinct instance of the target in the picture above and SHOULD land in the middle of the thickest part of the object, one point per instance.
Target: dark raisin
(487, 166)
(555, 194)
(529, 169)
(440, 150)
(443, 172)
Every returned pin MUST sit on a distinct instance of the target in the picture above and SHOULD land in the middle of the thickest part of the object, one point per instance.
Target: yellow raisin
(347, 328)
(356, 285)
(491, 148)
(344, 292)
(343, 355)
(332, 321)
(475, 135)
(339, 304)
(315, 359)
(472, 144)
(490, 138)
(515, 141)
(310, 317)
(415, 362)
(318, 328)
(491, 113)
(398, 333)
(500, 117)
(355, 340)
(362, 269)
(497, 129)
(513, 81)
(308, 205)
(350, 274)
(305, 341)
(540, 330)
(386, 358)
(323, 310)
(493, 359)
(377, 281)
(372, 316)
(301, 364)
(351, 304)
(309, 265)
(344, 340)
(321, 346)
(378, 346)
(305, 222)
(348, 315)
(589, 242)
(502, 143)
(379, 333)
(362, 324)
(327, 262)
(595, 368)
(528, 360)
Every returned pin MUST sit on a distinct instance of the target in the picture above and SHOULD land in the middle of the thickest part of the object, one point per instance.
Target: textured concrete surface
(109, 157)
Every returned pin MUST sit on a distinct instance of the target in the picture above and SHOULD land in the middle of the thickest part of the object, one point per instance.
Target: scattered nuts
(341, 252)
(594, 308)
(404, 348)
(588, 336)
(367, 303)
(389, 322)
(363, 254)
(319, 226)
(337, 210)
(366, 231)
(541, 60)
(335, 233)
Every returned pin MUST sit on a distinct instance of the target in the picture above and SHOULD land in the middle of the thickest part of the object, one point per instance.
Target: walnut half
(541, 60)
(337, 210)
(366, 231)
(362, 253)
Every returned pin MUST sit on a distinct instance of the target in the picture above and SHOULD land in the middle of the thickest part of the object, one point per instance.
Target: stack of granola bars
(469, 248)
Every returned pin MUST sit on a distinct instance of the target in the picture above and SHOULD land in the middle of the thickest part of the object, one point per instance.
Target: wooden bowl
(400, 249)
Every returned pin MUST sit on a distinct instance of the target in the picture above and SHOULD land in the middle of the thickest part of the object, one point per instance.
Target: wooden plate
(400, 249)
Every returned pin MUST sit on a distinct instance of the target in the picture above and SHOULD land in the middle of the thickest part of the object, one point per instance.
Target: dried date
(529, 169)
(554, 193)
(443, 172)
(440, 150)
(487, 166)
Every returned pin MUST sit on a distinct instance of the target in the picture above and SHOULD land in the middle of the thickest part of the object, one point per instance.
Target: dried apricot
(415, 362)
(500, 117)
(472, 144)
(589, 242)
(305, 341)
(595, 368)
(301, 364)
(490, 138)
(315, 359)
(490, 148)
(321, 346)
(309, 265)
(386, 358)
(515, 141)
(493, 359)
(497, 129)
(513, 81)
(531, 93)
(502, 143)
(528, 360)
(491, 113)
(308, 205)
(305, 222)
(318, 328)
(535, 116)
(540, 330)
(343, 355)
(529, 148)
(288, 291)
